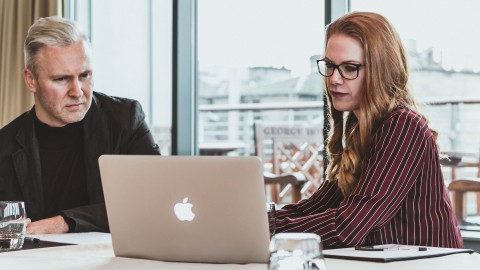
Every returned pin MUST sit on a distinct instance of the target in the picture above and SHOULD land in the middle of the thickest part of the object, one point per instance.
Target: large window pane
(261, 53)
(445, 70)
(132, 47)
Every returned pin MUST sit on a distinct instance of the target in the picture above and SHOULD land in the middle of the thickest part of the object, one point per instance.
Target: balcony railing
(456, 120)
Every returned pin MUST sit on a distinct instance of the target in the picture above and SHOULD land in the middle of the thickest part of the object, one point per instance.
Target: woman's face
(346, 94)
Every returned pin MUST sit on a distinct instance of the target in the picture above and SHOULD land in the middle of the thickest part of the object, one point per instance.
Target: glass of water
(296, 251)
(13, 221)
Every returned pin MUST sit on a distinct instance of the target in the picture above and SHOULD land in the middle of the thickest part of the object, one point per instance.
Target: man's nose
(76, 88)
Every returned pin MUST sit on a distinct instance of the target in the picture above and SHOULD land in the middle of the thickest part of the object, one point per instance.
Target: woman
(384, 184)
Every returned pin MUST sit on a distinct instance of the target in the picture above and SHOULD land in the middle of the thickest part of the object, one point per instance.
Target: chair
(294, 152)
(459, 187)
(292, 182)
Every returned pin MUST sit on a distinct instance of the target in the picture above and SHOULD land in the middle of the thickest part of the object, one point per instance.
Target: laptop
(186, 209)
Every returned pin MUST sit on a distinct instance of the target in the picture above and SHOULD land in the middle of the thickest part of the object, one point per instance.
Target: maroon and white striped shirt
(400, 197)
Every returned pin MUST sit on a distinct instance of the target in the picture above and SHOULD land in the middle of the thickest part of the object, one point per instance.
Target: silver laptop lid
(190, 209)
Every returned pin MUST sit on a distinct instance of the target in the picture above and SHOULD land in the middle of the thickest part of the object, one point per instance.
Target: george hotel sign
(297, 131)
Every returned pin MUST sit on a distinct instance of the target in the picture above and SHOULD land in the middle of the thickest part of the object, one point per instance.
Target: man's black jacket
(111, 126)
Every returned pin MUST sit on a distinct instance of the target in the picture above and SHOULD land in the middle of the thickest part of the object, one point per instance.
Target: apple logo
(183, 210)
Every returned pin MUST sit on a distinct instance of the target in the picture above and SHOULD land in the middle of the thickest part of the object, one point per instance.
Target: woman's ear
(30, 80)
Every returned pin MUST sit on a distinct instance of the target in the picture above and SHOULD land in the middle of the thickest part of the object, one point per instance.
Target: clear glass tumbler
(295, 251)
(272, 217)
(13, 221)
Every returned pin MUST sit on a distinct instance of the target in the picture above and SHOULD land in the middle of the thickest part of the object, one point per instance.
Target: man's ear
(30, 80)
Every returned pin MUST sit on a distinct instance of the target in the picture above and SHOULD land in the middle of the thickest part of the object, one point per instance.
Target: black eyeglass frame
(337, 67)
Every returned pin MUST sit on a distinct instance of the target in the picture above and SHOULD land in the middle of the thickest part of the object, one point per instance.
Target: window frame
(185, 73)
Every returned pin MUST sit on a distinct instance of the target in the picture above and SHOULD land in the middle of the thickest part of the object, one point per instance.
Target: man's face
(63, 85)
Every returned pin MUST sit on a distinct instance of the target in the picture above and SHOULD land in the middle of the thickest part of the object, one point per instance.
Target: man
(48, 155)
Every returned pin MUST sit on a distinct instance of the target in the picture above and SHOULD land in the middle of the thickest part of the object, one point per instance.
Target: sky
(260, 33)
(287, 32)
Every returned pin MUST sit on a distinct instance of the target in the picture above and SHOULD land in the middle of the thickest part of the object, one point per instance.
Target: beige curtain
(16, 16)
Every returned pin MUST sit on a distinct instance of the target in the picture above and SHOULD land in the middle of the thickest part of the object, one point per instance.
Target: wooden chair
(293, 183)
(292, 152)
(459, 187)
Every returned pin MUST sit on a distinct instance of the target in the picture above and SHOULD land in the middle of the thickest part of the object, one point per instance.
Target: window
(260, 53)
(132, 55)
(445, 71)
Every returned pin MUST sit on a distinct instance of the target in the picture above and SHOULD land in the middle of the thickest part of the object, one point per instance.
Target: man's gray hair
(50, 31)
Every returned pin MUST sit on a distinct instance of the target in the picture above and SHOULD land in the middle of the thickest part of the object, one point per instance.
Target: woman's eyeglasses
(348, 71)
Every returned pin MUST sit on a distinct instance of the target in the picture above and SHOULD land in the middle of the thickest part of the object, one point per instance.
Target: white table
(94, 251)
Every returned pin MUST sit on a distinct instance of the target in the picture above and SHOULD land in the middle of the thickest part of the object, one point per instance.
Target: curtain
(16, 16)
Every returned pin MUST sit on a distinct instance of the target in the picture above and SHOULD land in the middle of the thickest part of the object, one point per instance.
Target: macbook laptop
(186, 209)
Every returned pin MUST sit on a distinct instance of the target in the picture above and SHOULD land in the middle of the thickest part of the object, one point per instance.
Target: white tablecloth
(90, 255)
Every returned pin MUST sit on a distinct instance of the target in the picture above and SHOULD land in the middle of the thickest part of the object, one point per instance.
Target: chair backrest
(287, 149)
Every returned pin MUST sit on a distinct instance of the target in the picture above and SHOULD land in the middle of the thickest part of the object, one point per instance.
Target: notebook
(391, 253)
(186, 209)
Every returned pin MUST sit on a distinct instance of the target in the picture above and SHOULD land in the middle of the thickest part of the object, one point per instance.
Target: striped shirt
(400, 197)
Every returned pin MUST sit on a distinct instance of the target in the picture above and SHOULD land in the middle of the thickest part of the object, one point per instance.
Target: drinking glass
(296, 251)
(272, 216)
(13, 223)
